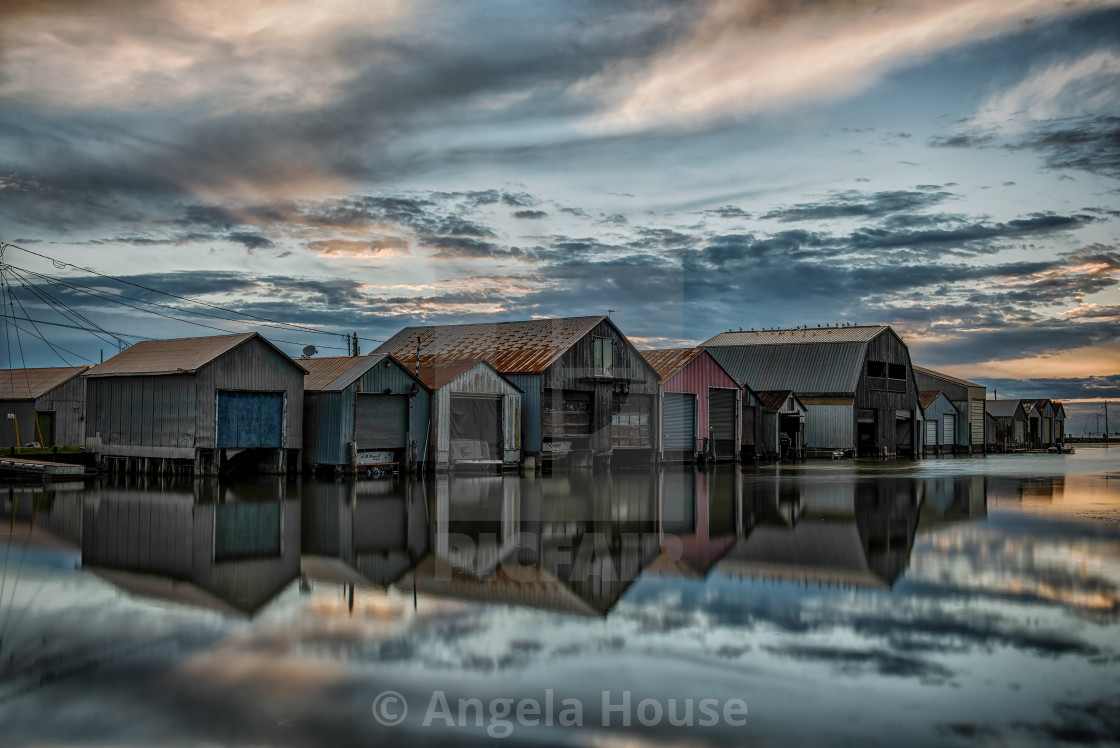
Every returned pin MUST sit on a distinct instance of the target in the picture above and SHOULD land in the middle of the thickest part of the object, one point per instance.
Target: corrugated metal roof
(773, 400)
(178, 355)
(439, 372)
(926, 397)
(828, 367)
(323, 370)
(527, 346)
(1001, 408)
(668, 361)
(855, 334)
(28, 384)
(946, 377)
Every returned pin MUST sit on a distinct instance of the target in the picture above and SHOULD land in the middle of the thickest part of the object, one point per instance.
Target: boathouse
(1009, 420)
(374, 402)
(45, 406)
(968, 397)
(940, 421)
(475, 415)
(197, 405)
(586, 390)
(701, 405)
(783, 415)
(856, 383)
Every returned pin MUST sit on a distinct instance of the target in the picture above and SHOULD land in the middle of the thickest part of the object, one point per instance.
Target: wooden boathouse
(196, 405)
(968, 397)
(856, 383)
(45, 405)
(372, 401)
(587, 392)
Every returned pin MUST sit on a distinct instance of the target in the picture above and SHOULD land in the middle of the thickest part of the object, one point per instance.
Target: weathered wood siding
(575, 370)
(171, 415)
(886, 397)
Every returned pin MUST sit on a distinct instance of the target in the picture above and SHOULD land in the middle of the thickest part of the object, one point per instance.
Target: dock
(27, 467)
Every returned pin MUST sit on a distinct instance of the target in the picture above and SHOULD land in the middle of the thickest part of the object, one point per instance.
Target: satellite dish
(309, 351)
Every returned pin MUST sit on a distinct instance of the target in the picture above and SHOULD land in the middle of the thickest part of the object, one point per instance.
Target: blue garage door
(250, 419)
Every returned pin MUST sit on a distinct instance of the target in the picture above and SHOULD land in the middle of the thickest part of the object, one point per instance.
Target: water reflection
(999, 595)
(230, 548)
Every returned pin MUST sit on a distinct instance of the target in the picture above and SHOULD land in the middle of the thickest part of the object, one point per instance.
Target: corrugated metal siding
(479, 380)
(170, 415)
(121, 409)
(702, 373)
(24, 412)
(830, 426)
(531, 409)
(976, 421)
(937, 411)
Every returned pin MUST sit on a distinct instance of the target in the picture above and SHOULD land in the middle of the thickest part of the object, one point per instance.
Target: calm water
(970, 600)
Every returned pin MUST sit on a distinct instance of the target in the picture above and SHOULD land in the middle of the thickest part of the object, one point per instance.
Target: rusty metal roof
(926, 397)
(941, 375)
(772, 401)
(175, 356)
(668, 361)
(28, 384)
(855, 334)
(440, 372)
(527, 346)
(336, 373)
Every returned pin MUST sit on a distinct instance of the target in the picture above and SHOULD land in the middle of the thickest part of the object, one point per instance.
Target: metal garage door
(721, 420)
(680, 422)
(250, 419)
(949, 433)
(381, 421)
(931, 433)
(476, 420)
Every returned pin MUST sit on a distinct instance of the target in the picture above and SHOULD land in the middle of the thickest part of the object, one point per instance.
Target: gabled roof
(854, 334)
(528, 346)
(28, 384)
(668, 361)
(176, 356)
(438, 372)
(940, 375)
(1041, 405)
(336, 373)
(772, 401)
(1002, 408)
(926, 397)
(1059, 408)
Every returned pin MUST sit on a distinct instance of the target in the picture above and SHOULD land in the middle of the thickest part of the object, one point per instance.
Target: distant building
(373, 401)
(47, 405)
(585, 388)
(967, 396)
(197, 405)
(1040, 421)
(1009, 420)
(701, 405)
(856, 382)
(940, 422)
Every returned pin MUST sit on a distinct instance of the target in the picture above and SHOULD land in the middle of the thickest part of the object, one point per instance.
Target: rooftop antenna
(610, 312)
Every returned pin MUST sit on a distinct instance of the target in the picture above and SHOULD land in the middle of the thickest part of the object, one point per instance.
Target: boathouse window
(896, 371)
(604, 357)
(877, 369)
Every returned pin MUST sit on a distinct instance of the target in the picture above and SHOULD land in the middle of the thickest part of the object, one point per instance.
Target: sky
(950, 167)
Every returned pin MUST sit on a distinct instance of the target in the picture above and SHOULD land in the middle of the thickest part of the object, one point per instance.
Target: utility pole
(1106, 420)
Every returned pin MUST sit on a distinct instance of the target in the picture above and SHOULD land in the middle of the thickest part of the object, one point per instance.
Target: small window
(604, 357)
(896, 371)
(876, 369)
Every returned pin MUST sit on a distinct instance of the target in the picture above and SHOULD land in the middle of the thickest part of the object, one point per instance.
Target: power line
(60, 264)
